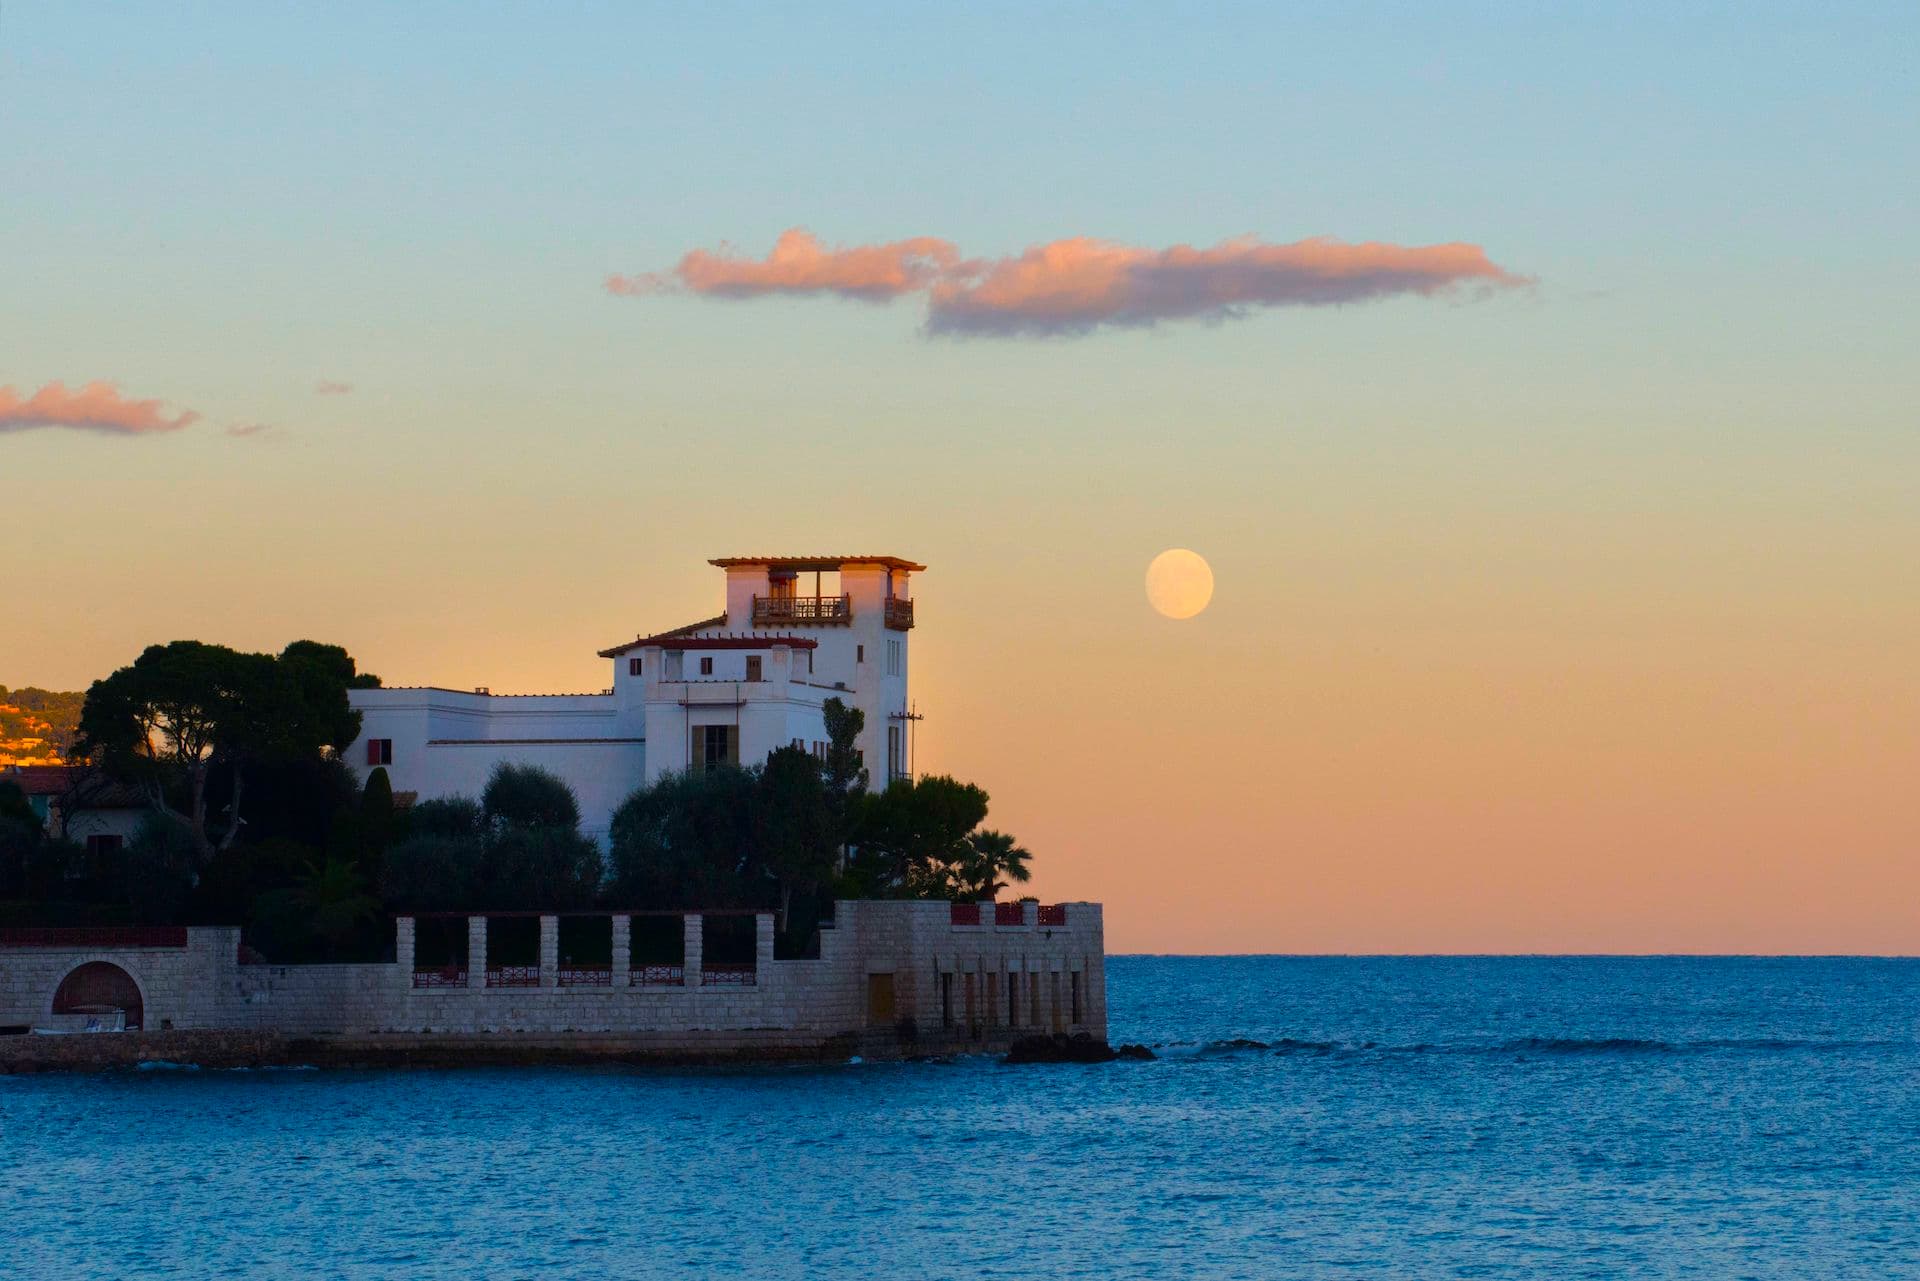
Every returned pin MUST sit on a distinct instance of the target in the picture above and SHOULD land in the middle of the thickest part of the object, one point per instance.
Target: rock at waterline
(1134, 1052)
(1060, 1048)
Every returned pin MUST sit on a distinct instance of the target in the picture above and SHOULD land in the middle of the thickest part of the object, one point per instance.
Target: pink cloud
(1077, 285)
(802, 264)
(329, 387)
(97, 407)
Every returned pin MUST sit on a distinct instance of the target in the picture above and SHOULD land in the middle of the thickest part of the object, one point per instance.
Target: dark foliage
(525, 796)
(684, 842)
(186, 712)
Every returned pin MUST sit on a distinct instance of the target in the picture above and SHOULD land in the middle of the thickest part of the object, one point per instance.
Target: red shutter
(373, 751)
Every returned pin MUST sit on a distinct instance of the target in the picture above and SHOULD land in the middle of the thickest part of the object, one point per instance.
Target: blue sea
(1402, 1117)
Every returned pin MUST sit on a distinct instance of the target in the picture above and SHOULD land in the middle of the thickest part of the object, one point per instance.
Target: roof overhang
(821, 564)
(681, 641)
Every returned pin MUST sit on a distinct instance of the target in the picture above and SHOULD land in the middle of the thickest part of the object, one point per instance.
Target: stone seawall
(891, 978)
(228, 1050)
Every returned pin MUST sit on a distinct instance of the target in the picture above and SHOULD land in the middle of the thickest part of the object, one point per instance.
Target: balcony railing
(513, 976)
(899, 614)
(813, 611)
(718, 974)
(657, 976)
(963, 914)
(586, 976)
(1053, 914)
(1009, 913)
(444, 976)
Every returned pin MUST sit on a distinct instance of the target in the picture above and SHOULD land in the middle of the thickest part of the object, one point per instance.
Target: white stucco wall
(446, 742)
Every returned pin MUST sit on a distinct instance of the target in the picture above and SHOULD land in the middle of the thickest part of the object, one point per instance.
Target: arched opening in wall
(100, 987)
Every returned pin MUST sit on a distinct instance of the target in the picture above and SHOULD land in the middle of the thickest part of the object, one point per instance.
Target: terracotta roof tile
(817, 562)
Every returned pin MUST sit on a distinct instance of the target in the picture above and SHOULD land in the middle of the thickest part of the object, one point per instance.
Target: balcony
(803, 611)
(899, 614)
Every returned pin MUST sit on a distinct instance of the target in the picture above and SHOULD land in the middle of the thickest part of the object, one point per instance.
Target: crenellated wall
(891, 977)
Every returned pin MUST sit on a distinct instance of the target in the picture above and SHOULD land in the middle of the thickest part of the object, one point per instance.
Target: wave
(1241, 1046)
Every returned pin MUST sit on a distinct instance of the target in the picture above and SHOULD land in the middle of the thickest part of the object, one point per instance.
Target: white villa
(797, 630)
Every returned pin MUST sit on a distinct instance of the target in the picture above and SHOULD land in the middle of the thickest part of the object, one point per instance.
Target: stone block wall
(954, 984)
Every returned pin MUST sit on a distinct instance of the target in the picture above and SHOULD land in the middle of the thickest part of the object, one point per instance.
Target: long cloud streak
(1080, 284)
(96, 407)
(802, 264)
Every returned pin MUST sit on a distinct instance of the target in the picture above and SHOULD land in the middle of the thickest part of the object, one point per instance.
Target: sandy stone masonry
(892, 977)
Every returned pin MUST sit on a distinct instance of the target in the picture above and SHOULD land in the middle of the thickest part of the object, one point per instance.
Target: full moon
(1179, 583)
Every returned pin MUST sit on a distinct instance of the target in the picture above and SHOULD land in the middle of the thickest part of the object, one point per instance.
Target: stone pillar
(622, 950)
(549, 951)
(762, 947)
(403, 951)
(690, 963)
(476, 951)
(1030, 912)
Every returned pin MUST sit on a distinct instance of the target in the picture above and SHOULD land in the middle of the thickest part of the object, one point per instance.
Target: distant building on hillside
(731, 689)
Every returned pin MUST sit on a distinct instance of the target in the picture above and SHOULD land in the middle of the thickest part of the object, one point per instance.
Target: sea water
(1307, 1117)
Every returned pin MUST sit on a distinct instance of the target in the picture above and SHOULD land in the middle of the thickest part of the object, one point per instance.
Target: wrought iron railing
(1009, 913)
(899, 613)
(1056, 914)
(815, 610)
(657, 976)
(513, 976)
(586, 976)
(444, 976)
(722, 974)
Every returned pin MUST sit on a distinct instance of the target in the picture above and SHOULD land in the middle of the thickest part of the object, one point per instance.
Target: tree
(912, 839)
(795, 833)
(527, 796)
(432, 872)
(184, 710)
(14, 804)
(992, 863)
(456, 818)
(544, 867)
(327, 910)
(682, 841)
(845, 774)
(842, 771)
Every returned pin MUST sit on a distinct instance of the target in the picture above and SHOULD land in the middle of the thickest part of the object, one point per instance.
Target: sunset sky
(1543, 396)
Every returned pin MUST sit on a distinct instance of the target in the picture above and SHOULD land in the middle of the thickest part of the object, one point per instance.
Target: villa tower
(731, 689)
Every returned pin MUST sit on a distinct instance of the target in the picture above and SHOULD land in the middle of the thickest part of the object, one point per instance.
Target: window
(896, 659)
(859, 653)
(379, 751)
(104, 843)
(753, 667)
(633, 666)
(714, 746)
(706, 667)
(896, 766)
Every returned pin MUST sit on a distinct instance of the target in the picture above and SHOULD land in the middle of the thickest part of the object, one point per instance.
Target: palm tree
(337, 901)
(993, 861)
